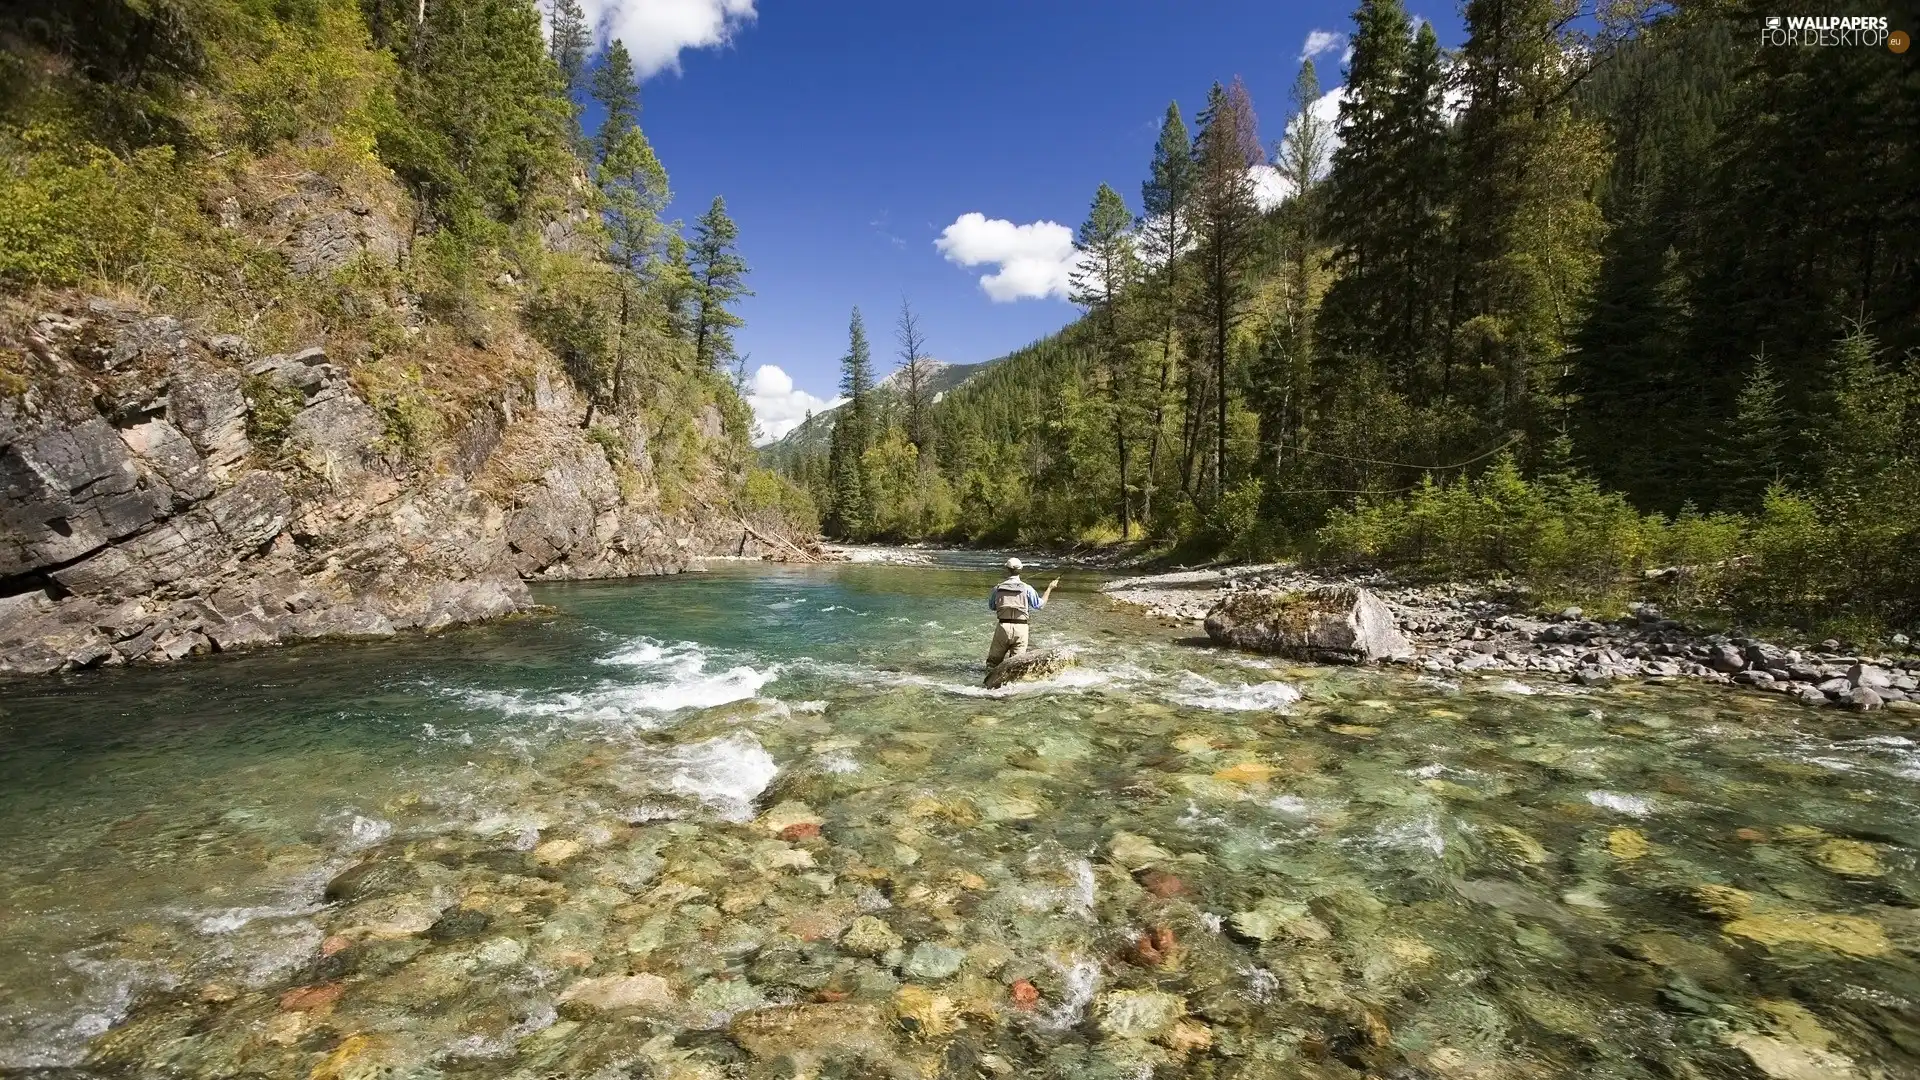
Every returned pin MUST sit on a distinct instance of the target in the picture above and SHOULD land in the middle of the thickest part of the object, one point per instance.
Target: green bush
(271, 407)
(71, 211)
(1559, 534)
(766, 495)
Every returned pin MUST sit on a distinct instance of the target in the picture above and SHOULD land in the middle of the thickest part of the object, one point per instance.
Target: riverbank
(1459, 629)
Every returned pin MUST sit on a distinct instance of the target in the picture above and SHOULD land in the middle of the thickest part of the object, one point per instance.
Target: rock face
(1332, 624)
(141, 522)
(1029, 666)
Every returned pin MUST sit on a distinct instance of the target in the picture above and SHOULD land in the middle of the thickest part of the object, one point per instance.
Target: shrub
(271, 407)
(73, 211)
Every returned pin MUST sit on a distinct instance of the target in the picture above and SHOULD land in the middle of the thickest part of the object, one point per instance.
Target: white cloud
(778, 406)
(655, 31)
(1034, 261)
(1321, 41)
(1270, 189)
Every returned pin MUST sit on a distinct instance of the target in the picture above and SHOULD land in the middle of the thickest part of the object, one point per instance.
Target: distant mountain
(814, 433)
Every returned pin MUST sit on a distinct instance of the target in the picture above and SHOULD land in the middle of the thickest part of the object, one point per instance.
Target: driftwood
(777, 541)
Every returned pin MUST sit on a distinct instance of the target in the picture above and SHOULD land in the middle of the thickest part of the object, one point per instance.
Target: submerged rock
(620, 994)
(1029, 666)
(1331, 624)
(1140, 1014)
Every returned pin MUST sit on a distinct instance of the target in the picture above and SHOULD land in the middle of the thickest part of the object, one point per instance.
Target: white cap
(1013, 565)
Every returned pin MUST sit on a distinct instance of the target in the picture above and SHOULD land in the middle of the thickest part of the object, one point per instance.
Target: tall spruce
(719, 275)
(1227, 232)
(1165, 234)
(570, 41)
(849, 515)
(1525, 222)
(1102, 280)
(1366, 167)
(1283, 371)
(616, 90)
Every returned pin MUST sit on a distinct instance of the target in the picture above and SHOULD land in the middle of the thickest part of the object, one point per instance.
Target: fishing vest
(1010, 601)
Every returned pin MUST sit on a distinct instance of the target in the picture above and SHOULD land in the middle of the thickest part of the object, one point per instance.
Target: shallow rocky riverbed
(765, 823)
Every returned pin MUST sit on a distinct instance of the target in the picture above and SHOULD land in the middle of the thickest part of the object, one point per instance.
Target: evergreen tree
(1525, 223)
(849, 515)
(618, 94)
(1283, 371)
(1165, 234)
(719, 275)
(1102, 280)
(570, 40)
(1226, 228)
(1752, 447)
(1366, 167)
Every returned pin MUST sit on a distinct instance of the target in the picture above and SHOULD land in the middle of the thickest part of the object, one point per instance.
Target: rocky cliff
(166, 492)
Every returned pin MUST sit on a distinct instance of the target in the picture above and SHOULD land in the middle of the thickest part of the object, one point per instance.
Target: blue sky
(848, 136)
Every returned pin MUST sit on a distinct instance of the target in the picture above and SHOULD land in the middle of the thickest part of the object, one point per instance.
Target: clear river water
(763, 822)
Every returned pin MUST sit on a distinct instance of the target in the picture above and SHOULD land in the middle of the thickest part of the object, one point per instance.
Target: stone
(555, 852)
(926, 1014)
(1139, 1014)
(1025, 995)
(1835, 686)
(1162, 884)
(1029, 666)
(808, 1033)
(1726, 659)
(1136, 852)
(1851, 858)
(1337, 624)
(311, 998)
(1869, 675)
(1628, 844)
(869, 936)
(1781, 1059)
(931, 962)
(619, 994)
(1848, 934)
(1809, 695)
(1271, 918)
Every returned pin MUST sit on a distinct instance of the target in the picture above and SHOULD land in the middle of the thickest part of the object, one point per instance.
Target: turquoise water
(763, 822)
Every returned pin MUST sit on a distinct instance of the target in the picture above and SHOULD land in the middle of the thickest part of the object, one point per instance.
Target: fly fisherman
(1011, 603)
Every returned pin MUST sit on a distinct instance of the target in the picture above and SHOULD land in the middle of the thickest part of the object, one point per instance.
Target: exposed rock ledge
(139, 523)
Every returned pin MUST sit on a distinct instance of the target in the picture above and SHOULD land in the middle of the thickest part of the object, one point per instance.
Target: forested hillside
(1579, 300)
(406, 184)
(325, 317)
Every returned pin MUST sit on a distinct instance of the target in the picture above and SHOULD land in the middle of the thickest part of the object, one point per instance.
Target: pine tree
(1105, 275)
(1165, 234)
(1752, 447)
(1365, 169)
(849, 515)
(1526, 225)
(1226, 227)
(1282, 376)
(614, 87)
(570, 41)
(719, 275)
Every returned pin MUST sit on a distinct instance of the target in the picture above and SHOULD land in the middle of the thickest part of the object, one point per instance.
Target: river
(763, 821)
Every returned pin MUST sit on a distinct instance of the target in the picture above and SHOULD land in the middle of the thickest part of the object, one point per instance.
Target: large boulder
(1331, 624)
(1028, 666)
